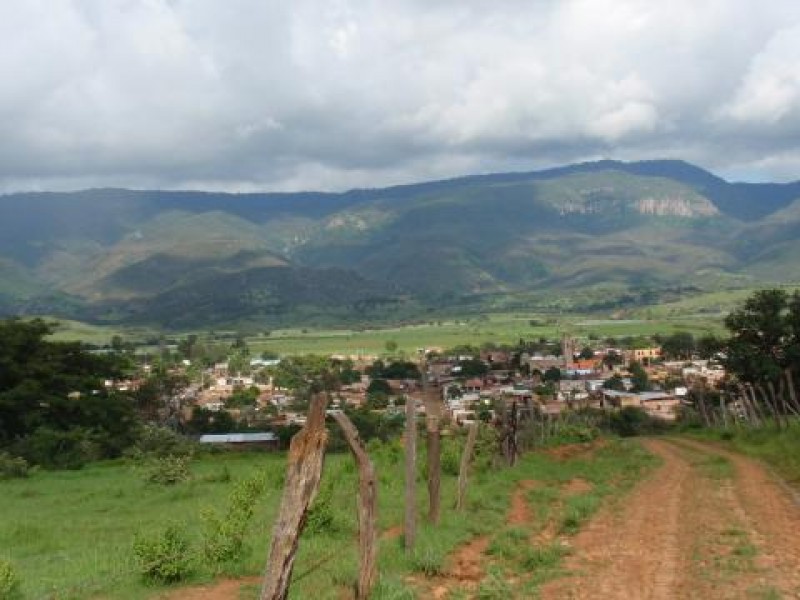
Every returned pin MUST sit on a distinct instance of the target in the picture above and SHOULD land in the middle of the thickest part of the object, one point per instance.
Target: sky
(245, 95)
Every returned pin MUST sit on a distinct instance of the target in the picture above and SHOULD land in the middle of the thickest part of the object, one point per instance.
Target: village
(245, 402)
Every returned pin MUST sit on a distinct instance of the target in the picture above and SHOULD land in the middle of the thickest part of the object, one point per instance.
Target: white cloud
(247, 94)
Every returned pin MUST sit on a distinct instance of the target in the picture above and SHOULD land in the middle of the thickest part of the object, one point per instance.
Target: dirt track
(706, 524)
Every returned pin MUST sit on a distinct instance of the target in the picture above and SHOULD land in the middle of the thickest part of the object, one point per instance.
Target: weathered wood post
(466, 460)
(367, 508)
(433, 446)
(303, 474)
(410, 525)
(792, 392)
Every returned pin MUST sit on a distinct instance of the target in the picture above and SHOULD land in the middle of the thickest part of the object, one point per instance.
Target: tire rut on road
(683, 533)
(771, 515)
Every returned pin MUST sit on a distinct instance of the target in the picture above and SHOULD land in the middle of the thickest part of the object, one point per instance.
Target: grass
(497, 327)
(527, 557)
(69, 534)
(779, 449)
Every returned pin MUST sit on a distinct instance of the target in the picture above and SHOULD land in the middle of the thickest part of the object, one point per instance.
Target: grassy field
(69, 534)
(497, 328)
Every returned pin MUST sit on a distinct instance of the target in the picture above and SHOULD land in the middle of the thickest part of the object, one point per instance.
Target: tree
(614, 383)
(639, 379)
(612, 359)
(708, 346)
(587, 353)
(391, 346)
(552, 374)
(207, 421)
(764, 336)
(242, 397)
(473, 367)
(379, 386)
(678, 346)
(58, 388)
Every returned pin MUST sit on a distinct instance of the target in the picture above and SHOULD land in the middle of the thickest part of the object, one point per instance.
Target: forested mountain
(599, 233)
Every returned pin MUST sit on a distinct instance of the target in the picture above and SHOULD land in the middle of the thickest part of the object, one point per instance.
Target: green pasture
(498, 328)
(69, 534)
(502, 328)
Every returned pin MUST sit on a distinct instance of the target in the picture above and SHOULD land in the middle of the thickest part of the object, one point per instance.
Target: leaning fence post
(367, 507)
(466, 459)
(303, 474)
(410, 526)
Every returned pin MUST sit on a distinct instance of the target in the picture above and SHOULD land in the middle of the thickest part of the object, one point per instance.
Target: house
(473, 385)
(661, 405)
(239, 441)
(643, 355)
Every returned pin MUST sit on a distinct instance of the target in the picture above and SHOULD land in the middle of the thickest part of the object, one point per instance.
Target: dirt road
(706, 524)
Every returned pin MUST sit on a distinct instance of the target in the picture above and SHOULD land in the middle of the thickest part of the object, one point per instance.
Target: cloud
(247, 94)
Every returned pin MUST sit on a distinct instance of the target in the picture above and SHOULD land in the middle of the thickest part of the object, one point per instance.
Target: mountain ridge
(605, 229)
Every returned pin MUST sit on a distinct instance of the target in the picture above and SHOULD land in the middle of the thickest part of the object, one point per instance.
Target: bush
(168, 470)
(56, 449)
(224, 536)
(13, 467)
(165, 556)
(160, 442)
(9, 582)
(631, 421)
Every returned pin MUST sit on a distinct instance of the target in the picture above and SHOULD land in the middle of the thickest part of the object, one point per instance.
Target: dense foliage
(54, 407)
(765, 336)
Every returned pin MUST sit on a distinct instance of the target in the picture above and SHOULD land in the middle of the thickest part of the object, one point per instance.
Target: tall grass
(778, 448)
(70, 534)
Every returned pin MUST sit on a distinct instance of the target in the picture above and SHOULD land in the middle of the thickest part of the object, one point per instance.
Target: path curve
(682, 533)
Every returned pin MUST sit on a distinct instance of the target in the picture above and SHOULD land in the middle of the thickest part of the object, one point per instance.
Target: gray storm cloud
(247, 94)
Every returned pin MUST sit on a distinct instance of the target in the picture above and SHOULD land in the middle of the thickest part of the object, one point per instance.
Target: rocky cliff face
(606, 201)
(676, 207)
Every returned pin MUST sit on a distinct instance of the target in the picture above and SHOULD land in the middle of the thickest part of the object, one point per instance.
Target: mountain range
(586, 236)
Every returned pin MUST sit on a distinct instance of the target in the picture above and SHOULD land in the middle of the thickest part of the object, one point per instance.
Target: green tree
(242, 397)
(764, 336)
(207, 421)
(639, 379)
(58, 388)
(680, 345)
(473, 367)
(612, 359)
(614, 383)
(552, 374)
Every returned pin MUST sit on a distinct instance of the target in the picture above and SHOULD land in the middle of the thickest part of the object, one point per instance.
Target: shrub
(631, 421)
(224, 536)
(164, 556)
(56, 449)
(168, 470)
(9, 582)
(13, 467)
(159, 442)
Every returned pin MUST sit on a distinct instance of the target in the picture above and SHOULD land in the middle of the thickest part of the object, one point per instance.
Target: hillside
(608, 231)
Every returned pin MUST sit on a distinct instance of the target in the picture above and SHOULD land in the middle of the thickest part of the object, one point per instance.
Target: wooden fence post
(410, 526)
(433, 445)
(303, 474)
(466, 460)
(792, 391)
(367, 508)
